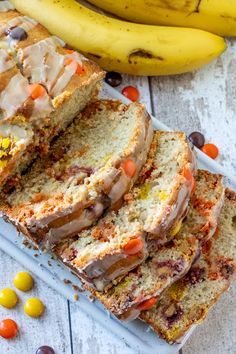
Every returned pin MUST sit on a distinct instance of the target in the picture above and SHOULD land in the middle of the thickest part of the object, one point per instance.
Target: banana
(216, 16)
(124, 46)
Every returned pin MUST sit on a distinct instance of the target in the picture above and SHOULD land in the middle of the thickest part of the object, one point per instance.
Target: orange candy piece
(131, 93)
(146, 305)
(68, 61)
(69, 51)
(8, 328)
(134, 246)
(187, 173)
(129, 168)
(36, 91)
(210, 150)
(79, 69)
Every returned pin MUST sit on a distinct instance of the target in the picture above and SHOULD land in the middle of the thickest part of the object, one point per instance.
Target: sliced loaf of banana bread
(43, 86)
(88, 169)
(159, 200)
(141, 287)
(188, 301)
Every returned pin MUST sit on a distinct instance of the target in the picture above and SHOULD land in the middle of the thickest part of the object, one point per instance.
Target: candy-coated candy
(23, 281)
(131, 93)
(8, 328)
(197, 139)
(69, 51)
(17, 33)
(187, 173)
(211, 150)
(36, 91)
(129, 167)
(68, 61)
(34, 307)
(146, 305)
(113, 78)
(45, 349)
(134, 246)
(177, 228)
(8, 298)
(79, 70)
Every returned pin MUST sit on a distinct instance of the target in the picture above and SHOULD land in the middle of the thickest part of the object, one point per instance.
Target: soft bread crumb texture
(149, 201)
(172, 261)
(188, 301)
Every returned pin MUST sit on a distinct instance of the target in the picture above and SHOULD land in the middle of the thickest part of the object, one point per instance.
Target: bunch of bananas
(149, 47)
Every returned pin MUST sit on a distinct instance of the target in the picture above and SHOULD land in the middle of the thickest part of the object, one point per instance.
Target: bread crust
(213, 272)
(107, 229)
(46, 119)
(104, 188)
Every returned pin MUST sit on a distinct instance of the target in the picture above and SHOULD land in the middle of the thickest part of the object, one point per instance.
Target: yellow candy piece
(177, 228)
(5, 143)
(162, 195)
(8, 298)
(2, 153)
(23, 281)
(34, 307)
(3, 163)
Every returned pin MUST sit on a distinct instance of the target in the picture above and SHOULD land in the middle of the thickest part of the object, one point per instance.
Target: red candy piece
(210, 150)
(146, 305)
(36, 91)
(131, 93)
(134, 246)
(129, 168)
(8, 328)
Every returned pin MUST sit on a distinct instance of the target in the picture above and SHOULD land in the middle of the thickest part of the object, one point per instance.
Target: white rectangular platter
(136, 334)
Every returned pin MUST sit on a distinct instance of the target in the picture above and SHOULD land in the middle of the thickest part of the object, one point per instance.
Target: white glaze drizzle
(76, 57)
(23, 22)
(14, 95)
(64, 79)
(42, 107)
(5, 6)
(6, 62)
(41, 63)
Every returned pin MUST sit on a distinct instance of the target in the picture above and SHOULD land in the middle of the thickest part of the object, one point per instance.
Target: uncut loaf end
(43, 86)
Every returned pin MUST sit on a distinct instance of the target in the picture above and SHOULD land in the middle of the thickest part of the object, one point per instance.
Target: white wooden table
(203, 101)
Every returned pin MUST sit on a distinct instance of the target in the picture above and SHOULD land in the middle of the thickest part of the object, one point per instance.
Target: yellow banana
(216, 16)
(124, 46)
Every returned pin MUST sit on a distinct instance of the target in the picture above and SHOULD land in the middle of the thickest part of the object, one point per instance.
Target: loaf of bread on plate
(88, 169)
(43, 86)
(187, 302)
(117, 244)
(141, 288)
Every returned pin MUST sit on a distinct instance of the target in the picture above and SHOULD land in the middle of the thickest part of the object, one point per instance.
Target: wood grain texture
(51, 329)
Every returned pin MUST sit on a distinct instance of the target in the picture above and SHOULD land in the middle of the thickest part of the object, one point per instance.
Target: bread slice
(117, 243)
(83, 174)
(188, 301)
(141, 288)
(31, 116)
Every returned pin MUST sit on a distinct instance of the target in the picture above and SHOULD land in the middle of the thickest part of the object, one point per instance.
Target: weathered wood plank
(204, 101)
(90, 337)
(51, 329)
